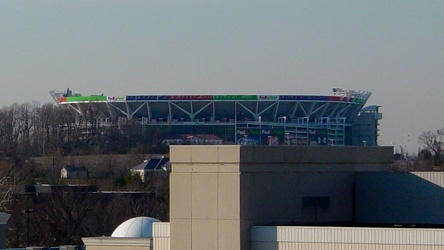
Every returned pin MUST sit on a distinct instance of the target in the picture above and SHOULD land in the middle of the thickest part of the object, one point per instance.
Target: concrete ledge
(235, 158)
(204, 154)
(117, 241)
(349, 235)
(316, 154)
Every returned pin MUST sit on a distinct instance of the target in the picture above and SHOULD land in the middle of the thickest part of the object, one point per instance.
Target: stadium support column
(285, 125)
(129, 112)
(260, 130)
(235, 122)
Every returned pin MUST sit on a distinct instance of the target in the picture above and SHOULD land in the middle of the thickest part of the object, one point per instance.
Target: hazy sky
(395, 49)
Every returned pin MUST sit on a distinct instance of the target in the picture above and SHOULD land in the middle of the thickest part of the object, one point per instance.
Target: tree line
(33, 129)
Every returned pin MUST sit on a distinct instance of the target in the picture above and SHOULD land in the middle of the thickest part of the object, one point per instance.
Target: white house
(152, 167)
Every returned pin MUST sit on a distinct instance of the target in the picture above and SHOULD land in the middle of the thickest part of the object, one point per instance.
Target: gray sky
(395, 49)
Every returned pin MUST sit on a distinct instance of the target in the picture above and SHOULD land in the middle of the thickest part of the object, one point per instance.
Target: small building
(172, 140)
(74, 172)
(152, 167)
(202, 139)
(193, 139)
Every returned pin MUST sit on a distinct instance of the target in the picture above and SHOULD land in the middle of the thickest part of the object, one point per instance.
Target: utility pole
(27, 211)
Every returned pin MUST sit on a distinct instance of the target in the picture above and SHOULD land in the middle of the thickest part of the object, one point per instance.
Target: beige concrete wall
(336, 246)
(218, 192)
(298, 237)
(161, 236)
(117, 243)
(161, 244)
(117, 247)
(330, 246)
(204, 212)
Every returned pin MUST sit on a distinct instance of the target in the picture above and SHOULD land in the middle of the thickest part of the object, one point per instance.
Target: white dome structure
(138, 227)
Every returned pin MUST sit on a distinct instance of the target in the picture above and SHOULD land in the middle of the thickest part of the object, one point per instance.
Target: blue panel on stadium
(146, 97)
(303, 97)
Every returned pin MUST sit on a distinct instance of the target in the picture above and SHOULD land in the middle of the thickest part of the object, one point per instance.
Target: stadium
(339, 119)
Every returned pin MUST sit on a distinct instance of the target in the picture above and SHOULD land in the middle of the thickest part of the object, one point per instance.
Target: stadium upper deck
(297, 119)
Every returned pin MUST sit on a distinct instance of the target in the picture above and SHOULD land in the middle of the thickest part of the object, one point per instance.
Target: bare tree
(26, 118)
(6, 190)
(8, 133)
(434, 142)
(12, 180)
(31, 129)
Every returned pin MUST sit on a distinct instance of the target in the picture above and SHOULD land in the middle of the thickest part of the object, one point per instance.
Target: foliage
(128, 182)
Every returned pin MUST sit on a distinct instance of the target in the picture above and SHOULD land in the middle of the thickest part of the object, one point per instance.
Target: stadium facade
(339, 119)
